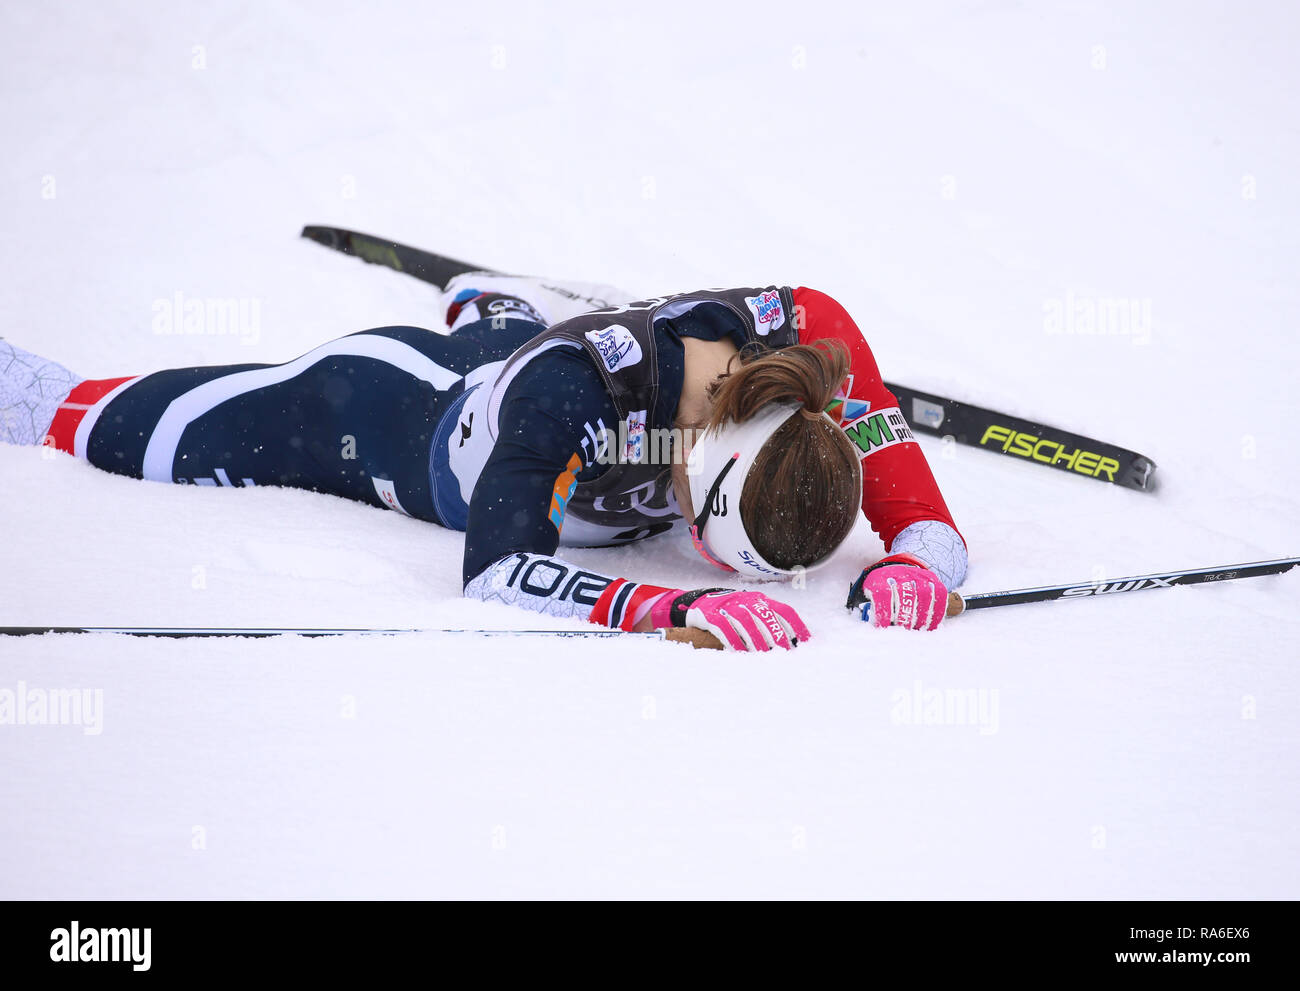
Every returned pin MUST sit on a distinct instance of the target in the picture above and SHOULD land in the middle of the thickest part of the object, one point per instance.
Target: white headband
(725, 536)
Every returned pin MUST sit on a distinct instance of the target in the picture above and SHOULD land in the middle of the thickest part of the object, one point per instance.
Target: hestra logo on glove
(761, 610)
(742, 620)
(898, 593)
(616, 346)
(904, 604)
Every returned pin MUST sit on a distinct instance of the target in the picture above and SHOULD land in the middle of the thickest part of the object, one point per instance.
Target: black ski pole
(696, 638)
(958, 603)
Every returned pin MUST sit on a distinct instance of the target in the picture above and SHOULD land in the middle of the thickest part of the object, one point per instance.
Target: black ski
(1028, 440)
(973, 426)
(437, 270)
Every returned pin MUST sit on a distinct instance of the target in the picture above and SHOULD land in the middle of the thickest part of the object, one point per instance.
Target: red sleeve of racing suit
(897, 486)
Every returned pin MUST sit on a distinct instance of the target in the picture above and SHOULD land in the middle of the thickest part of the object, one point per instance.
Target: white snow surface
(946, 169)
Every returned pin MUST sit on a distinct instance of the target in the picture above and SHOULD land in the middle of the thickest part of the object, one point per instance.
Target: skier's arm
(550, 418)
(517, 512)
(900, 497)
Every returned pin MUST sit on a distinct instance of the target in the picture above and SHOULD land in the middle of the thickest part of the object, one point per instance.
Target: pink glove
(741, 620)
(900, 591)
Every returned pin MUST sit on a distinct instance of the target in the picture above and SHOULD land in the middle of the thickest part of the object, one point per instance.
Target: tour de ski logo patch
(769, 314)
(616, 346)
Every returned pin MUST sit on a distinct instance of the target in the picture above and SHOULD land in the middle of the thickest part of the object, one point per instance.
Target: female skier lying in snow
(538, 422)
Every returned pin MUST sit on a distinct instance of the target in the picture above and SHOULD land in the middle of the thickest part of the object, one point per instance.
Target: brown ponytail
(803, 493)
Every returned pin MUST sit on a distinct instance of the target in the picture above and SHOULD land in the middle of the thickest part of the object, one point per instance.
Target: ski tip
(1140, 475)
(328, 236)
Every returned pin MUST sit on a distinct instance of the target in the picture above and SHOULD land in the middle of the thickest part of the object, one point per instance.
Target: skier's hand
(741, 620)
(899, 591)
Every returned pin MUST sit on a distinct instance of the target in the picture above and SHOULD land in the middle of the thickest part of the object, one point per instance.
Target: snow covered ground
(954, 172)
